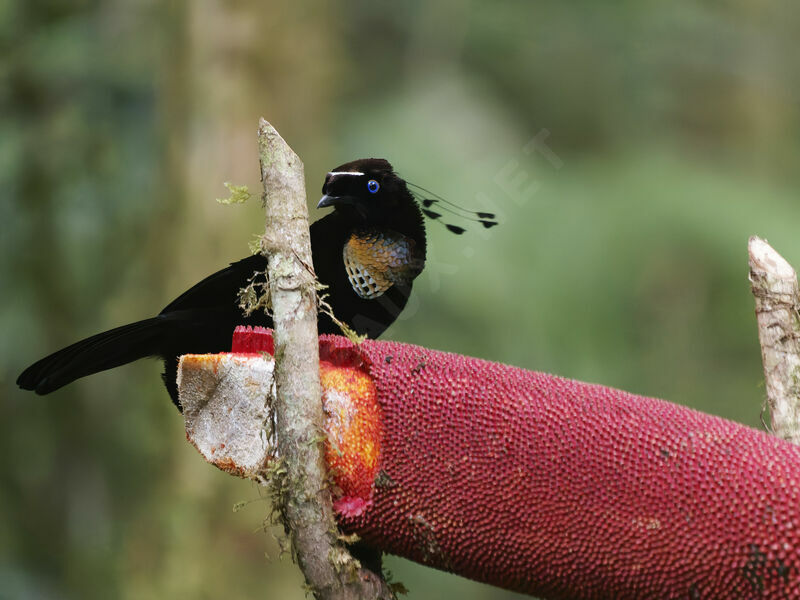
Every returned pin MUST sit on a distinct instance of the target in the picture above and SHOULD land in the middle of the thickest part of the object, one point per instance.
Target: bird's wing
(221, 288)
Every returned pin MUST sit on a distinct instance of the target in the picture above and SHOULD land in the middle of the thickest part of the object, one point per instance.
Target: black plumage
(370, 201)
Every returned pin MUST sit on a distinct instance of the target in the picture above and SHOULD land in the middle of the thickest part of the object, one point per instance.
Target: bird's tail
(94, 354)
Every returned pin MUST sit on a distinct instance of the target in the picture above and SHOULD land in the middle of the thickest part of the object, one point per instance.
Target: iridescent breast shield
(376, 260)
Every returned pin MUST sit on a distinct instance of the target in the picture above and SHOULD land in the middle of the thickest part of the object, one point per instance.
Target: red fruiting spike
(554, 487)
(252, 340)
(563, 489)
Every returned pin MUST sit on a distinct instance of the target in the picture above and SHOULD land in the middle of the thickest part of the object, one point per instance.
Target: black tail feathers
(94, 354)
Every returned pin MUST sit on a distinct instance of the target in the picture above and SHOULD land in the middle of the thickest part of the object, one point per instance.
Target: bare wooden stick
(774, 285)
(330, 571)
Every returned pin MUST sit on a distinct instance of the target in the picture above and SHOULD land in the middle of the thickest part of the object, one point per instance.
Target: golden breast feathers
(376, 260)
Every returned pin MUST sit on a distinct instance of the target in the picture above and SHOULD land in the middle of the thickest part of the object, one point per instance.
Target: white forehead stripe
(345, 173)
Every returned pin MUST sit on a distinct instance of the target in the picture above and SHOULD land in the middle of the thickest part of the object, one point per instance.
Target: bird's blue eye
(373, 186)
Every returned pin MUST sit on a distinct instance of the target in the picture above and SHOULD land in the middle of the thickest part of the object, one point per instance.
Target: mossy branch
(330, 571)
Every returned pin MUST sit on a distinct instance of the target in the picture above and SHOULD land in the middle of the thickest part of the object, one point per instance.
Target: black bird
(367, 252)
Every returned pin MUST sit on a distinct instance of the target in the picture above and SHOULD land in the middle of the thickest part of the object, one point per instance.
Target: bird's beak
(327, 200)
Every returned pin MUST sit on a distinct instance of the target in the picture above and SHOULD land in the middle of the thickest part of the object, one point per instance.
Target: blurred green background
(630, 148)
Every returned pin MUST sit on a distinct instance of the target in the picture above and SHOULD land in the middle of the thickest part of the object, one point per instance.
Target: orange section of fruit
(353, 426)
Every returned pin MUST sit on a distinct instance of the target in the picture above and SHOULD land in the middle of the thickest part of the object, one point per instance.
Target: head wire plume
(428, 199)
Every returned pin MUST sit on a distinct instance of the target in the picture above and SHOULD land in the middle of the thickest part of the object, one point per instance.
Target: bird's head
(368, 191)
(385, 243)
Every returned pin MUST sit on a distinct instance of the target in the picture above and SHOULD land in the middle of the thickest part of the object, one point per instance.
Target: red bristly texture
(252, 340)
(563, 489)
